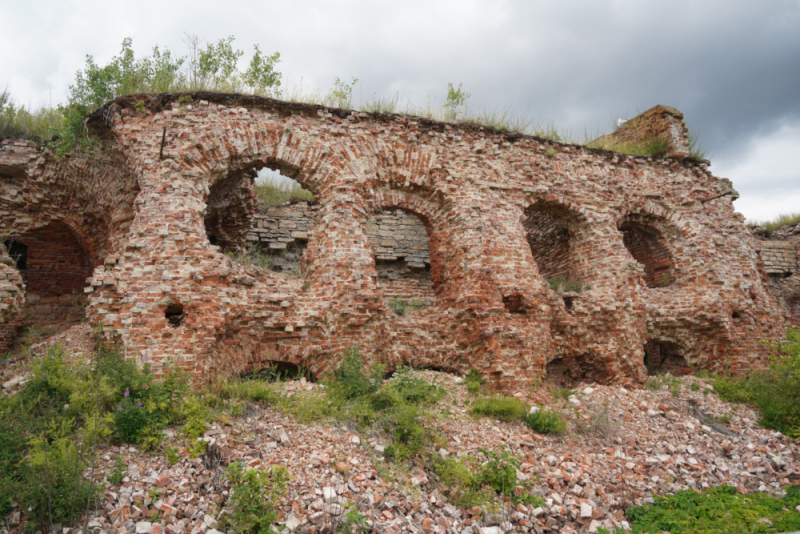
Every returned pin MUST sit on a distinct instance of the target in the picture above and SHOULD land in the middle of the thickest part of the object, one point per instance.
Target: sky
(731, 66)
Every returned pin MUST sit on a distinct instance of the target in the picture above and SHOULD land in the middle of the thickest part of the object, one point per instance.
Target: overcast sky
(732, 67)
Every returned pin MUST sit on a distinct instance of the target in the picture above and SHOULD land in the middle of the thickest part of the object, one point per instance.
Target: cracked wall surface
(169, 190)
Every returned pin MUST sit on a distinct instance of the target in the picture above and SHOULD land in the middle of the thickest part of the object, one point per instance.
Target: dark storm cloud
(732, 67)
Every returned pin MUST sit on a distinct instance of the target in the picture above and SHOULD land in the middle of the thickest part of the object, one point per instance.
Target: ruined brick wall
(781, 256)
(12, 298)
(62, 219)
(164, 290)
(658, 122)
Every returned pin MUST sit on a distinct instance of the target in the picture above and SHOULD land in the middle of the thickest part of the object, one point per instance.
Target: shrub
(774, 391)
(505, 408)
(718, 510)
(351, 380)
(253, 496)
(546, 421)
(408, 433)
(414, 389)
(473, 381)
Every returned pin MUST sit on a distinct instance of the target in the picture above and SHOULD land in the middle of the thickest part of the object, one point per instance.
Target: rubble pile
(622, 447)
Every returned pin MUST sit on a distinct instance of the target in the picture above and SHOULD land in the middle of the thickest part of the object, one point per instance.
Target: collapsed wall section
(780, 254)
(475, 222)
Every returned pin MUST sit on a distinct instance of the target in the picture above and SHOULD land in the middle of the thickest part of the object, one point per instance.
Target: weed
(551, 152)
(718, 510)
(562, 393)
(351, 521)
(253, 255)
(546, 421)
(565, 284)
(118, 472)
(173, 455)
(253, 496)
(505, 408)
(774, 391)
(351, 379)
(400, 305)
(694, 386)
(272, 191)
(473, 381)
(777, 222)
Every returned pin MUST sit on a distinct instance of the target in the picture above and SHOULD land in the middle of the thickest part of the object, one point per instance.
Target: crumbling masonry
(523, 254)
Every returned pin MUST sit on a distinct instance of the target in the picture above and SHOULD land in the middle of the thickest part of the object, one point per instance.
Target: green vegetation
(18, 121)
(566, 284)
(254, 494)
(473, 381)
(654, 147)
(546, 421)
(215, 67)
(252, 255)
(401, 305)
(474, 481)
(504, 408)
(774, 391)
(48, 431)
(717, 510)
(273, 192)
(777, 222)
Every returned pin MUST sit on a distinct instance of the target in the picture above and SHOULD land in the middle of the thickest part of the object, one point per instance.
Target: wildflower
(139, 404)
(127, 393)
(66, 406)
(119, 409)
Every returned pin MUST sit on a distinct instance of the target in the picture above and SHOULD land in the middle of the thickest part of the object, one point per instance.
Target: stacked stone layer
(145, 208)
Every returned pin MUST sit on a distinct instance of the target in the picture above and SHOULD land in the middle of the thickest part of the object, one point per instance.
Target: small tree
(456, 100)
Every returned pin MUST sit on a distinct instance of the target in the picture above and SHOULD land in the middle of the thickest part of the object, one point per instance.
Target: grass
(775, 391)
(19, 121)
(546, 421)
(777, 222)
(567, 284)
(655, 147)
(215, 68)
(273, 192)
(504, 408)
(253, 255)
(717, 510)
(402, 305)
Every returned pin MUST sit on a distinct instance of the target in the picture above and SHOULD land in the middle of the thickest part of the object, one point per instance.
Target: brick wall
(658, 122)
(781, 256)
(471, 187)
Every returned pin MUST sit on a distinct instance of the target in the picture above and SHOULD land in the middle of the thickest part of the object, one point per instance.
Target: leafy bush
(546, 421)
(351, 380)
(505, 408)
(566, 284)
(253, 496)
(473, 381)
(718, 510)
(774, 391)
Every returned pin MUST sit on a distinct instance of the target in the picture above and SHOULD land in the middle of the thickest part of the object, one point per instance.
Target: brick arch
(554, 230)
(650, 241)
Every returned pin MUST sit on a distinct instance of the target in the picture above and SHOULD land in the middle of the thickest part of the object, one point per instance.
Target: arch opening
(278, 371)
(401, 245)
(54, 267)
(664, 356)
(549, 230)
(570, 371)
(648, 247)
